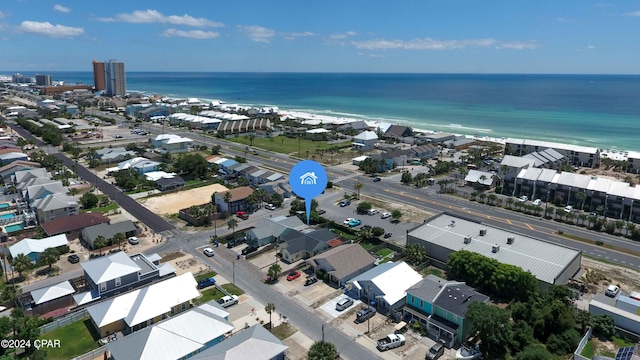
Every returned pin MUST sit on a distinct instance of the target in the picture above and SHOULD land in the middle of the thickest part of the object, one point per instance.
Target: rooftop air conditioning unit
(510, 240)
(495, 248)
(483, 232)
(467, 239)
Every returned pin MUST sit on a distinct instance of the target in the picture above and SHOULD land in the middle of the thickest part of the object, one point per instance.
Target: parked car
(612, 291)
(365, 314)
(293, 275)
(249, 250)
(242, 215)
(73, 258)
(310, 280)
(354, 223)
(469, 352)
(568, 208)
(390, 341)
(206, 283)
(347, 221)
(270, 207)
(343, 304)
(387, 235)
(385, 215)
(377, 179)
(344, 203)
(228, 300)
(523, 198)
(537, 202)
(134, 240)
(235, 242)
(435, 352)
(322, 212)
(373, 211)
(208, 251)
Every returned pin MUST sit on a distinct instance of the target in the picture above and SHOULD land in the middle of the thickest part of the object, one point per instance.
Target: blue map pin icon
(308, 179)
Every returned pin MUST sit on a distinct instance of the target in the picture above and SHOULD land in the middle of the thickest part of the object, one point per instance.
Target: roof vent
(510, 240)
(483, 232)
(495, 248)
(453, 223)
(467, 239)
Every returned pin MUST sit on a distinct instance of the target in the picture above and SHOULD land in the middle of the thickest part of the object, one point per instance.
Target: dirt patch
(409, 213)
(171, 256)
(599, 275)
(172, 203)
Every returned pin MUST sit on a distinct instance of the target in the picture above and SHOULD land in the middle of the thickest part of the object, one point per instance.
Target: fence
(583, 342)
(93, 354)
(63, 321)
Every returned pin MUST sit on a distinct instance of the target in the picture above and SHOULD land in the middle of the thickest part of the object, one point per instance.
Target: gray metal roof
(345, 259)
(107, 230)
(253, 343)
(110, 267)
(546, 261)
(427, 289)
(456, 298)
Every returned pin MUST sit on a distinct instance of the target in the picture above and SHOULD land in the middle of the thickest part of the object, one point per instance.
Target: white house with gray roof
(34, 192)
(444, 233)
(366, 140)
(54, 206)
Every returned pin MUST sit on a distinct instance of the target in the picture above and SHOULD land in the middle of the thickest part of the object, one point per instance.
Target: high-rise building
(43, 80)
(115, 78)
(99, 83)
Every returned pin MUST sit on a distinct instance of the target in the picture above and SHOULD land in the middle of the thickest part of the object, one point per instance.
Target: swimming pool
(7, 216)
(4, 205)
(13, 228)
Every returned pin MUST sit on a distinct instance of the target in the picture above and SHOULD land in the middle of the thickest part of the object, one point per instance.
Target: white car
(134, 240)
(537, 202)
(385, 215)
(346, 222)
(612, 291)
(373, 211)
(568, 208)
(208, 251)
(523, 198)
(270, 207)
(227, 300)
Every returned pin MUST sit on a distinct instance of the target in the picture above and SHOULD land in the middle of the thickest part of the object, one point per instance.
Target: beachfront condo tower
(110, 77)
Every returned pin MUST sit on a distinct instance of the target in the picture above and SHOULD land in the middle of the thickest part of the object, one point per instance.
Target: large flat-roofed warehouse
(443, 234)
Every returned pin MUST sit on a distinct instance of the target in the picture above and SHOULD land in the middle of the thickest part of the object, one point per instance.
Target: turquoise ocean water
(591, 110)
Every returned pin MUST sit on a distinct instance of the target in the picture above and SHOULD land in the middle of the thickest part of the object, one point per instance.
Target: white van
(343, 303)
(373, 212)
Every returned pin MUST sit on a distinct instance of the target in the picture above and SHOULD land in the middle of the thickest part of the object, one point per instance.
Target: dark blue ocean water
(590, 110)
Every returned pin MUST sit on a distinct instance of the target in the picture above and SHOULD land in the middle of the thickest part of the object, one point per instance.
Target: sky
(373, 36)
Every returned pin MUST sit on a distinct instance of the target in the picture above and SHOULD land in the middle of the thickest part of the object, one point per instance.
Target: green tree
(9, 293)
(363, 207)
(358, 186)
(99, 243)
(21, 264)
(493, 326)
(118, 238)
(270, 309)
(415, 254)
(274, 271)
(396, 215)
(277, 199)
(89, 200)
(232, 223)
(406, 178)
(603, 325)
(534, 352)
(50, 256)
(322, 350)
(191, 166)
(377, 231)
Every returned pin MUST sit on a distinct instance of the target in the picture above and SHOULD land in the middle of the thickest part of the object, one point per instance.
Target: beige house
(342, 263)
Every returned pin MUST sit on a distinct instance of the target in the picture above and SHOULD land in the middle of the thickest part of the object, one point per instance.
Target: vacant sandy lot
(171, 203)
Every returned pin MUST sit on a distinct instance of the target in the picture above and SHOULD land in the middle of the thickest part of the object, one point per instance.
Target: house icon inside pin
(308, 178)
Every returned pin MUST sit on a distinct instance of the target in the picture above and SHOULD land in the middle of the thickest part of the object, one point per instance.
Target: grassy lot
(75, 339)
(283, 144)
(215, 294)
(206, 275)
(430, 270)
(588, 351)
(283, 331)
(104, 209)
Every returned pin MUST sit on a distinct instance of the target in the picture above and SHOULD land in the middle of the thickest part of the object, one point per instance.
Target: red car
(242, 215)
(293, 275)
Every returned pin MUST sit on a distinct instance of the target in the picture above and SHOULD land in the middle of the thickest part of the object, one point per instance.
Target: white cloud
(295, 35)
(635, 13)
(342, 36)
(590, 47)
(153, 16)
(372, 55)
(193, 34)
(258, 33)
(434, 44)
(63, 9)
(48, 29)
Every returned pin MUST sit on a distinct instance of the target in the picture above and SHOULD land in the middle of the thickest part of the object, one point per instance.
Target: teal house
(440, 307)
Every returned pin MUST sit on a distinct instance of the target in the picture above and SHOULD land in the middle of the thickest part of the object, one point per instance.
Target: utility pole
(322, 332)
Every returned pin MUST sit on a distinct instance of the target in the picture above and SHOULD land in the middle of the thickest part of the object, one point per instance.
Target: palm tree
(21, 263)
(232, 223)
(227, 200)
(118, 238)
(50, 256)
(581, 196)
(10, 293)
(322, 350)
(270, 309)
(357, 187)
(99, 243)
(274, 271)
(630, 227)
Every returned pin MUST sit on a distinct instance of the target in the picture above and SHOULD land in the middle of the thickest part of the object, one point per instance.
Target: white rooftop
(392, 279)
(28, 246)
(52, 292)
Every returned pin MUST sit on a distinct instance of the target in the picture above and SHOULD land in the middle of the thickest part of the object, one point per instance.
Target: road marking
(509, 221)
(529, 226)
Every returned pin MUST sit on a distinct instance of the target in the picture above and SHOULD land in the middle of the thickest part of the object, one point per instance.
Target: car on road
(206, 283)
(344, 203)
(208, 251)
(348, 220)
(118, 136)
(310, 280)
(536, 202)
(321, 212)
(385, 215)
(73, 258)
(293, 275)
(354, 223)
(249, 250)
(133, 240)
(270, 207)
(612, 291)
(568, 208)
(377, 179)
(523, 198)
(242, 215)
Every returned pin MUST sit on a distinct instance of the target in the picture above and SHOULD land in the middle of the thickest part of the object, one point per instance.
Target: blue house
(440, 307)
